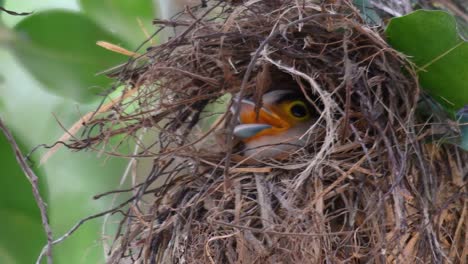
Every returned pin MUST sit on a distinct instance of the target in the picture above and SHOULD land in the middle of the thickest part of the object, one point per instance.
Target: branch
(13, 13)
(33, 179)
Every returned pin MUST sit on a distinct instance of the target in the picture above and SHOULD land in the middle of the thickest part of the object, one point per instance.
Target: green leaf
(432, 41)
(59, 49)
(121, 17)
(22, 236)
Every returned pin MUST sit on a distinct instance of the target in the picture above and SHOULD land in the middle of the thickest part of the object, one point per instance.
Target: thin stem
(33, 179)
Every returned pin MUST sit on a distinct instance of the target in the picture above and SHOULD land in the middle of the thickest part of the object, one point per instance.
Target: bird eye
(298, 110)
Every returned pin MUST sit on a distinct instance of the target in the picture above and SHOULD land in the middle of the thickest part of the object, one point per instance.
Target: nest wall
(372, 184)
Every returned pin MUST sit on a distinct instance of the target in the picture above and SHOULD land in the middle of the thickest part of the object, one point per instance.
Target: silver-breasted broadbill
(278, 128)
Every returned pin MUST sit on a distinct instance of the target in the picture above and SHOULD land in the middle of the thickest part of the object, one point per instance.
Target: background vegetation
(48, 62)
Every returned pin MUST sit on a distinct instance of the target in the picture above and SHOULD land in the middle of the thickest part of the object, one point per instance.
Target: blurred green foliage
(19, 215)
(69, 48)
(48, 63)
(123, 17)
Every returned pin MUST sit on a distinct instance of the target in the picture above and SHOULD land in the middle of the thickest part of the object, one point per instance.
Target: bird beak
(251, 123)
(244, 131)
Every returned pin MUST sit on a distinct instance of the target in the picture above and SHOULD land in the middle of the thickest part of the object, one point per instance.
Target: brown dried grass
(372, 185)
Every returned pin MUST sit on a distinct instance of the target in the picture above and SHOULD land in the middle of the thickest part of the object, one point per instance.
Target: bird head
(283, 118)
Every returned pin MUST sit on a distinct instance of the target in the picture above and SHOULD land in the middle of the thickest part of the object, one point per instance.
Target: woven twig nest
(370, 186)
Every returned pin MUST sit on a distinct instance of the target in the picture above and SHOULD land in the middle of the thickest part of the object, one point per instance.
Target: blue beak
(244, 131)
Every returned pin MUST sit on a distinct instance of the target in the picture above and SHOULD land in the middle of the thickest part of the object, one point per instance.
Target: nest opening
(365, 187)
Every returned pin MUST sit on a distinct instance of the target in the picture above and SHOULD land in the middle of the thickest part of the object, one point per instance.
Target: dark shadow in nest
(367, 185)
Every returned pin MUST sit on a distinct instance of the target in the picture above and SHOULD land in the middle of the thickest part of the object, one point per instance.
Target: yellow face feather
(281, 116)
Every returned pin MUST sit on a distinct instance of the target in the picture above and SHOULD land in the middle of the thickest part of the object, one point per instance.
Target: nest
(372, 184)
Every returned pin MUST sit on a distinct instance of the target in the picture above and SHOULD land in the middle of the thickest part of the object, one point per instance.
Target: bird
(277, 129)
